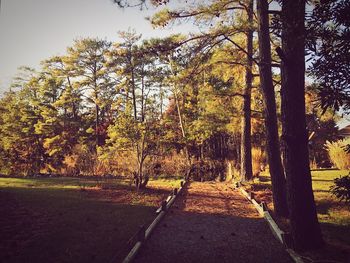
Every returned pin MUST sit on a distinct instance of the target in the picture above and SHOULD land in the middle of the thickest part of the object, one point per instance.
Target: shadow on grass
(55, 225)
(322, 180)
(340, 234)
(323, 206)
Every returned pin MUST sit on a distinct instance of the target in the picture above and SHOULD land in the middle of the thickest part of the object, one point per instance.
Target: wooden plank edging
(297, 258)
(169, 201)
(278, 233)
(274, 227)
(258, 207)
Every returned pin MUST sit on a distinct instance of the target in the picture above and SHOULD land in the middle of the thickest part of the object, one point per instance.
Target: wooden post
(264, 206)
(175, 191)
(163, 205)
(252, 194)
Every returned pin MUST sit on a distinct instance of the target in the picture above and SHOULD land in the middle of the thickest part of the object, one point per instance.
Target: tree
(225, 20)
(246, 144)
(328, 43)
(322, 127)
(305, 229)
(134, 138)
(60, 120)
(86, 62)
(135, 128)
(271, 124)
(23, 149)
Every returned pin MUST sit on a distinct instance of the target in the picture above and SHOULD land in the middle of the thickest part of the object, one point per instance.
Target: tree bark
(273, 147)
(305, 228)
(97, 120)
(246, 146)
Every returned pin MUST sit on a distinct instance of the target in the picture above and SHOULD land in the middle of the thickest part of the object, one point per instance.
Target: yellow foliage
(337, 154)
(258, 159)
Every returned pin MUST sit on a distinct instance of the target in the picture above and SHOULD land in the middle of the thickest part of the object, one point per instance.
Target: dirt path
(210, 222)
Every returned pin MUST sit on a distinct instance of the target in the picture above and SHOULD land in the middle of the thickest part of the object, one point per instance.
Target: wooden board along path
(210, 222)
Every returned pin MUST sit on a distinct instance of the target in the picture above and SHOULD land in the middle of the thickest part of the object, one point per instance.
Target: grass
(334, 216)
(73, 219)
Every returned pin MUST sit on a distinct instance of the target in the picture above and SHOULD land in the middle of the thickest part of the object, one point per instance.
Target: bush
(208, 170)
(341, 188)
(337, 153)
(174, 164)
(84, 161)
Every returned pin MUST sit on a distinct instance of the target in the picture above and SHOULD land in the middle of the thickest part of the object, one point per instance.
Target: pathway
(210, 222)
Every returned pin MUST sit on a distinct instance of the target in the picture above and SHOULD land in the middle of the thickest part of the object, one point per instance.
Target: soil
(211, 222)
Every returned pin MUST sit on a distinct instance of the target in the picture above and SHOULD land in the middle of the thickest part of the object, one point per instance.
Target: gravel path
(210, 222)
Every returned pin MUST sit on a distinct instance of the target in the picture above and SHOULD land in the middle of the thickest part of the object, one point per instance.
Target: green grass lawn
(73, 219)
(334, 216)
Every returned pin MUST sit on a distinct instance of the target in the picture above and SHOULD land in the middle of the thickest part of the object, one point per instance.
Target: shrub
(337, 153)
(174, 164)
(83, 161)
(341, 188)
(208, 170)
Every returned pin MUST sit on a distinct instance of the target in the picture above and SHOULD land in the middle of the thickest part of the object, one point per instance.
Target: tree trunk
(305, 229)
(97, 121)
(246, 146)
(273, 147)
(133, 92)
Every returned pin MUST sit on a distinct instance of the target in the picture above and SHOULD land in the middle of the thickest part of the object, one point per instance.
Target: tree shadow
(323, 206)
(264, 178)
(341, 233)
(206, 235)
(55, 225)
(322, 180)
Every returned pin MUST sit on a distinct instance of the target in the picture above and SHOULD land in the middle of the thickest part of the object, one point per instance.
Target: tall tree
(86, 60)
(271, 124)
(246, 144)
(329, 45)
(225, 20)
(305, 229)
(19, 113)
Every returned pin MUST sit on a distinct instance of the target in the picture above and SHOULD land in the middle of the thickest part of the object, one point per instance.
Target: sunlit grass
(165, 182)
(333, 215)
(76, 183)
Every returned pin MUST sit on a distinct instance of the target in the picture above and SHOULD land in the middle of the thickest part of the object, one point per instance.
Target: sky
(34, 30)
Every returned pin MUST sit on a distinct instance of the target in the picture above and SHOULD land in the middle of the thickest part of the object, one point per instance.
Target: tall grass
(339, 157)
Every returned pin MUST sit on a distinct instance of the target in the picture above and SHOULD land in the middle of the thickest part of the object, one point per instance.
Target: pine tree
(271, 124)
(305, 229)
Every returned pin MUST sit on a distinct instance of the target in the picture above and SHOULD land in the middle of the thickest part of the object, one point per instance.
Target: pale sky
(34, 30)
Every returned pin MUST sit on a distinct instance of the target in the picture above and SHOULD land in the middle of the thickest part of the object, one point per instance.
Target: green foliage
(328, 34)
(341, 188)
(321, 126)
